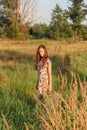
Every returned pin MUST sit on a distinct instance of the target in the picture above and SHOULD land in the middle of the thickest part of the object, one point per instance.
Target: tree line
(17, 17)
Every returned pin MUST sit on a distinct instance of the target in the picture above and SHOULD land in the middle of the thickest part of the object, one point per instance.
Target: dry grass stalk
(26, 126)
(5, 121)
(68, 113)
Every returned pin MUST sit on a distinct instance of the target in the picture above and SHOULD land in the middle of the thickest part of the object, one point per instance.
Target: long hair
(38, 57)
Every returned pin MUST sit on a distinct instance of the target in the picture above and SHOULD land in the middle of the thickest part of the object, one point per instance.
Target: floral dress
(43, 80)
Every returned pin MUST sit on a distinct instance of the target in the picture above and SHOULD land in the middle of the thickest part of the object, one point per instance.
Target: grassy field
(19, 109)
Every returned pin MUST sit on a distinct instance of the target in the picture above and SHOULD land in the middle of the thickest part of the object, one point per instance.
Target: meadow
(19, 107)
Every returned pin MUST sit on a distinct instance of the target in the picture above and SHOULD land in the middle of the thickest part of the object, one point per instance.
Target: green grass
(17, 81)
(79, 64)
(18, 78)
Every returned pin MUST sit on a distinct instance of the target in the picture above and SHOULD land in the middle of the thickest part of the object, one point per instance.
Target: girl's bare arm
(50, 76)
(37, 80)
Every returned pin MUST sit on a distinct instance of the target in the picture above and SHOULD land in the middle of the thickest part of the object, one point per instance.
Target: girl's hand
(36, 86)
(50, 90)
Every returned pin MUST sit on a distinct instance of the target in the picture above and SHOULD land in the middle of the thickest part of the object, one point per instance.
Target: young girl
(43, 65)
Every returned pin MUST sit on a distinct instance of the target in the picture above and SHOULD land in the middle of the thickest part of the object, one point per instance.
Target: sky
(44, 9)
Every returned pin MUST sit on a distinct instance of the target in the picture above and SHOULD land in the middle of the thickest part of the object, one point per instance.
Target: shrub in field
(67, 112)
(63, 63)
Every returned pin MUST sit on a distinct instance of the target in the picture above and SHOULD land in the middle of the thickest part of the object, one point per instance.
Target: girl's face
(41, 52)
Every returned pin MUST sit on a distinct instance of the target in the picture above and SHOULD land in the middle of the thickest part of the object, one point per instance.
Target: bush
(39, 31)
(12, 32)
(2, 33)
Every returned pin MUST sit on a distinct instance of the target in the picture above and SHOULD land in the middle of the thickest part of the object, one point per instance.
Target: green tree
(16, 16)
(84, 32)
(8, 17)
(59, 26)
(77, 13)
(39, 30)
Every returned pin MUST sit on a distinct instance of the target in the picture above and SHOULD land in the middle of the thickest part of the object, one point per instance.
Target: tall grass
(69, 112)
(17, 105)
(64, 109)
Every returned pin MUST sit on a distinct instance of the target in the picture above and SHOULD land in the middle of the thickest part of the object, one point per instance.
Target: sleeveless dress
(43, 82)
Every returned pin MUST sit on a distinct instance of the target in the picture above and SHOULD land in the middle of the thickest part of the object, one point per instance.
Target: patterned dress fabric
(43, 81)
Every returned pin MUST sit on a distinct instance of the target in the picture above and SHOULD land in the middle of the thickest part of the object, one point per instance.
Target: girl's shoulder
(48, 61)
